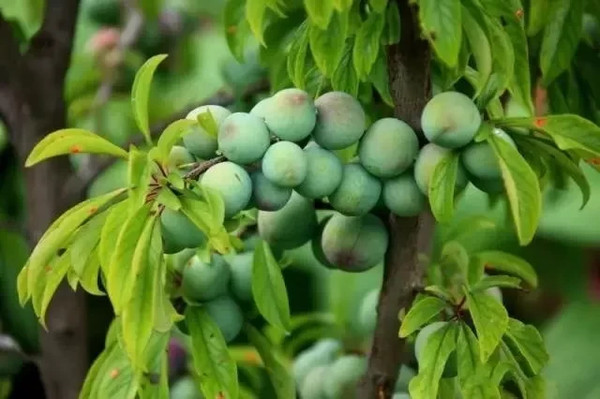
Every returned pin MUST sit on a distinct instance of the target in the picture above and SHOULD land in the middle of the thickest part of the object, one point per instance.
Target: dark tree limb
(32, 105)
(408, 67)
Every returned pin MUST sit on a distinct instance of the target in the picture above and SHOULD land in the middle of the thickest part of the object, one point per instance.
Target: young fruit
(179, 232)
(243, 138)
(358, 192)
(450, 119)
(227, 315)
(266, 195)
(261, 107)
(285, 164)
(343, 376)
(240, 266)
(367, 314)
(178, 156)
(321, 353)
(354, 243)
(291, 226)
(388, 148)
(313, 386)
(340, 120)
(291, 114)
(429, 156)
(205, 281)
(402, 195)
(198, 141)
(324, 173)
(232, 182)
(479, 159)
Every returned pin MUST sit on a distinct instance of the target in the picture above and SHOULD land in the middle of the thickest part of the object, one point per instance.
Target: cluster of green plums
(323, 371)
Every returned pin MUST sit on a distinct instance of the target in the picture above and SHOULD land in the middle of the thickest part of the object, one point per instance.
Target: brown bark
(32, 105)
(408, 67)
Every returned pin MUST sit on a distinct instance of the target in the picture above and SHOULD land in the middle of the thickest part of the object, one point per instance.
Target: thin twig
(202, 167)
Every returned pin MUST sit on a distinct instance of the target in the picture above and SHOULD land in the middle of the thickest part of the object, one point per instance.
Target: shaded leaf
(344, 77)
(255, 14)
(236, 27)
(441, 25)
(327, 45)
(391, 31)
(442, 186)
(366, 44)
(508, 263)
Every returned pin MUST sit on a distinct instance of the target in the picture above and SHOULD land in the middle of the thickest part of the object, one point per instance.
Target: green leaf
(170, 136)
(120, 274)
(344, 77)
(110, 232)
(342, 5)
(366, 44)
(508, 263)
(520, 85)
(521, 186)
(496, 281)
(27, 14)
(164, 312)
(380, 79)
(89, 274)
(490, 319)
(138, 177)
(441, 187)
(93, 374)
(421, 312)
(437, 351)
(209, 220)
(565, 163)
(55, 272)
(114, 376)
(561, 37)
(137, 317)
(473, 375)
(568, 131)
(479, 44)
(319, 11)
(527, 346)
(327, 45)
(391, 31)
(207, 121)
(268, 287)
(537, 16)
(280, 376)
(140, 94)
(296, 59)
(236, 28)
(212, 361)
(72, 141)
(255, 14)
(84, 253)
(441, 25)
(378, 5)
(168, 199)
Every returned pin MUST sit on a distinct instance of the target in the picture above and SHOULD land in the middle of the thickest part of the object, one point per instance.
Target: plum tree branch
(408, 67)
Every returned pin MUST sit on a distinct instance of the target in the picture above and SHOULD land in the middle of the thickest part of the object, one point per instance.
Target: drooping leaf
(479, 44)
(296, 59)
(327, 44)
(212, 361)
(202, 214)
(268, 287)
(521, 186)
(114, 376)
(28, 15)
(55, 272)
(110, 232)
(527, 345)
(85, 240)
(138, 177)
(120, 273)
(319, 11)
(168, 199)
(236, 27)
(255, 14)
(490, 319)
(140, 94)
(421, 312)
(391, 31)
(137, 316)
(496, 281)
(170, 136)
(520, 84)
(561, 37)
(473, 375)
(437, 350)
(344, 77)
(508, 263)
(280, 376)
(441, 25)
(537, 16)
(442, 186)
(89, 274)
(380, 79)
(366, 44)
(72, 141)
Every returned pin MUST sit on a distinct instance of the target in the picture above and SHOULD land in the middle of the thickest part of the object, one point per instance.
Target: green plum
(285, 164)
(227, 315)
(232, 182)
(243, 138)
(179, 156)
(343, 376)
(324, 173)
(402, 195)
(205, 281)
(291, 114)
(179, 232)
(198, 141)
(428, 158)
(241, 275)
(358, 192)
(340, 120)
(266, 195)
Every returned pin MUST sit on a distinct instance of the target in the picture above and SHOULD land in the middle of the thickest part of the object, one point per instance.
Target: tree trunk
(408, 67)
(32, 105)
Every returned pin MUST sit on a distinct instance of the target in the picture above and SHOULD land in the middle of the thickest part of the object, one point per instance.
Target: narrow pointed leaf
(508, 263)
(442, 186)
(527, 345)
(490, 319)
(420, 313)
(110, 233)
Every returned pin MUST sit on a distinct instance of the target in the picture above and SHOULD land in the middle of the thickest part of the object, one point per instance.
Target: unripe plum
(243, 138)
(291, 226)
(316, 244)
(429, 156)
(340, 120)
(227, 315)
(232, 182)
(401, 395)
(343, 376)
(358, 192)
(179, 232)
(388, 148)
(367, 314)
(205, 281)
(178, 156)
(261, 108)
(490, 186)
(180, 259)
(321, 353)
(479, 159)
(324, 173)
(266, 195)
(421, 342)
(198, 141)
(291, 114)
(450, 119)
(240, 266)
(285, 164)
(402, 196)
(354, 243)
(185, 388)
(313, 385)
